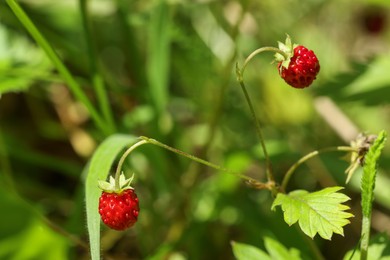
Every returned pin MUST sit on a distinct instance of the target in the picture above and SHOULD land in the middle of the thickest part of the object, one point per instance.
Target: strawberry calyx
(111, 187)
(288, 49)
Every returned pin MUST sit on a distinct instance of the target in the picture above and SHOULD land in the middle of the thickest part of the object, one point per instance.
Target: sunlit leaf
(278, 251)
(319, 212)
(245, 251)
(275, 251)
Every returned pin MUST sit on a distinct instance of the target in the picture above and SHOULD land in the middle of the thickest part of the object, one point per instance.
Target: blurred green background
(168, 67)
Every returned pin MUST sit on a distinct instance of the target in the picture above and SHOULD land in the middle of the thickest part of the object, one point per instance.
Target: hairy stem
(144, 140)
(122, 160)
(308, 156)
(259, 132)
(258, 51)
(365, 237)
(240, 78)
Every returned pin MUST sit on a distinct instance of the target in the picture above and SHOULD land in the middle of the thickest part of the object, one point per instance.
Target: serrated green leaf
(247, 252)
(369, 172)
(98, 169)
(278, 251)
(319, 212)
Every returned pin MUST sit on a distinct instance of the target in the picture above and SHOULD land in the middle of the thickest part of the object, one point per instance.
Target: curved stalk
(145, 140)
(308, 156)
(258, 131)
(240, 78)
(258, 51)
(122, 160)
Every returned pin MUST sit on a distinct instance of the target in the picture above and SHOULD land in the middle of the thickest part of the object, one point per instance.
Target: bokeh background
(169, 70)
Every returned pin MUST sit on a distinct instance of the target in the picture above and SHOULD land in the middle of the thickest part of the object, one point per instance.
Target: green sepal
(109, 186)
(288, 49)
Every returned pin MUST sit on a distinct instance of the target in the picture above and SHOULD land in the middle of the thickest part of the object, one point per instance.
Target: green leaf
(369, 172)
(159, 50)
(379, 249)
(98, 169)
(319, 212)
(25, 234)
(247, 252)
(276, 251)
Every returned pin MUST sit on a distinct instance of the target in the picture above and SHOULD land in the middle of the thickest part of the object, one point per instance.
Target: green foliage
(275, 251)
(379, 248)
(243, 251)
(319, 212)
(370, 171)
(165, 70)
(159, 54)
(367, 187)
(18, 69)
(98, 169)
(24, 234)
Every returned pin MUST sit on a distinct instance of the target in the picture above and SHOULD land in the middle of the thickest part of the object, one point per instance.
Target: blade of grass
(130, 47)
(98, 169)
(159, 52)
(67, 76)
(97, 79)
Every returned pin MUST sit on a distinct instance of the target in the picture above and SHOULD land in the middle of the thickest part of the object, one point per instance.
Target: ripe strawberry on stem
(118, 204)
(299, 67)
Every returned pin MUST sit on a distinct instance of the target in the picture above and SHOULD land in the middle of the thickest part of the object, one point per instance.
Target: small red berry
(119, 211)
(302, 69)
(297, 65)
(118, 203)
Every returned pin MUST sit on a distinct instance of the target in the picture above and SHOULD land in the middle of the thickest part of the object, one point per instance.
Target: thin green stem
(196, 159)
(122, 160)
(259, 133)
(145, 140)
(365, 237)
(308, 156)
(97, 79)
(258, 51)
(74, 87)
(240, 78)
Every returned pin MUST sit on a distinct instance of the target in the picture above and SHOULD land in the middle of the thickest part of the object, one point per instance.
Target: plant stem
(308, 156)
(366, 226)
(145, 140)
(97, 79)
(240, 78)
(122, 160)
(259, 132)
(67, 76)
(258, 51)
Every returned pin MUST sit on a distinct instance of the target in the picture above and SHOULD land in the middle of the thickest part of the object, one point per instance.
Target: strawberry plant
(128, 84)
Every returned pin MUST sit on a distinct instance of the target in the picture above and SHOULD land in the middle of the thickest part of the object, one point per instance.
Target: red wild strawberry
(301, 67)
(119, 207)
